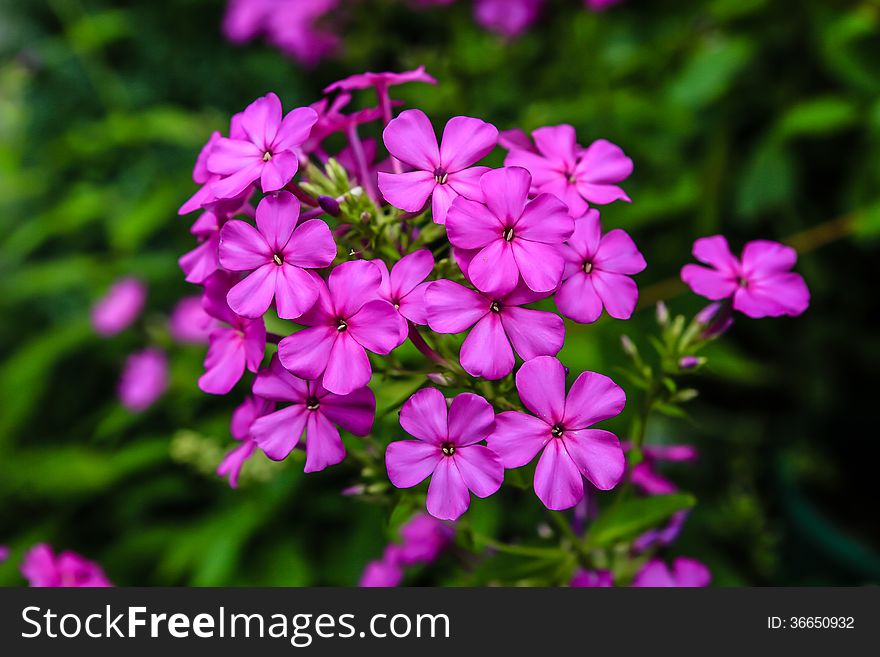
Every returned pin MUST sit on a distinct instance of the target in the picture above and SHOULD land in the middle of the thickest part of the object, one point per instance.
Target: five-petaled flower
(761, 283)
(277, 252)
(498, 321)
(442, 172)
(311, 409)
(404, 287)
(514, 237)
(446, 450)
(348, 319)
(266, 152)
(576, 175)
(597, 272)
(571, 450)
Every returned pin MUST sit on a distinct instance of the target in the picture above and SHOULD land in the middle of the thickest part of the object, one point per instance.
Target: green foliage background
(755, 118)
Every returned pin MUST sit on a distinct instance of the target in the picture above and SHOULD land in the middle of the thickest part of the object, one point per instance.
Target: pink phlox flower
(597, 272)
(383, 573)
(662, 536)
(498, 322)
(571, 450)
(576, 175)
(404, 288)
(645, 475)
(313, 410)
(204, 260)
(41, 567)
(246, 19)
(761, 283)
(685, 572)
(240, 344)
(267, 152)
(592, 579)
(144, 379)
(443, 172)
(509, 18)
(380, 81)
(189, 323)
(446, 450)
(348, 320)
(600, 5)
(243, 417)
(295, 27)
(514, 238)
(278, 253)
(424, 538)
(119, 307)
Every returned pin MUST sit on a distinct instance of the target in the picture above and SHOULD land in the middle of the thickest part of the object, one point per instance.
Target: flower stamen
(508, 234)
(267, 156)
(342, 325)
(440, 176)
(448, 449)
(557, 431)
(278, 259)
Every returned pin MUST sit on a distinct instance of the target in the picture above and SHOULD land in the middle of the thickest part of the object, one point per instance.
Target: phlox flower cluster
(423, 539)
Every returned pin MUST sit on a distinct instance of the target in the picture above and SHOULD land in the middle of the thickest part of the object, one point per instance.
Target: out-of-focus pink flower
(245, 19)
(715, 318)
(661, 536)
(685, 572)
(442, 172)
(514, 237)
(574, 174)
(404, 288)
(597, 272)
(243, 417)
(761, 283)
(144, 379)
(313, 410)
(446, 450)
(645, 475)
(571, 450)
(4, 553)
(278, 253)
(424, 537)
(592, 579)
(348, 319)
(382, 573)
(267, 152)
(600, 5)
(189, 323)
(117, 309)
(232, 348)
(498, 322)
(295, 27)
(41, 567)
(509, 18)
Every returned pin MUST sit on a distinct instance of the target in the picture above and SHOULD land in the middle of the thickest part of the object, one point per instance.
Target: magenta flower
(144, 379)
(4, 553)
(509, 18)
(382, 573)
(575, 175)
(645, 475)
(446, 450)
(513, 237)
(204, 260)
(267, 152)
(761, 283)
(424, 538)
(277, 252)
(117, 309)
(597, 272)
(405, 288)
(41, 567)
(232, 348)
(600, 5)
(498, 321)
(245, 19)
(684, 572)
(189, 323)
(571, 450)
(294, 27)
(243, 417)
(379, 80)
(348, 320)
(442, 172)
(661, 536)
(592, 579)
(312, 409)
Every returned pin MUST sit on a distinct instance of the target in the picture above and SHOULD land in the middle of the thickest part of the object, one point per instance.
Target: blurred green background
(753, 118)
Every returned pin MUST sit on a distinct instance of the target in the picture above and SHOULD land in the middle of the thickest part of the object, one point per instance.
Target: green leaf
(818, 116)
(632, 517)
(767, 181)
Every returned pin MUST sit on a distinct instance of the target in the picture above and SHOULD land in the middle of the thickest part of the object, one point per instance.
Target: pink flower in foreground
(41, 567)
(144, 379)
(442, 172)
(117, 309)
(312, 409)
(347, 320)
(592, 579)
(404, 288)
(243, 417)
(232, 348)
(571, 450)
(684, 572)
(761, 283)
(446, 450)
(508, 18)
(513, 237)
(277, 252)
(189, 323)
(597, 272)
(575, 175)
(381, 81)
(267, 152)
(498, 321)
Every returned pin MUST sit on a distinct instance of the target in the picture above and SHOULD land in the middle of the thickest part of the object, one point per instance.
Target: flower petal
(306, 352)
(424, 416)
(506, 192)
(577, 299)
(471, 225)
(407, 191)
(253, 295)
(518, 437)
(541, 385)
(348, 367)
(593, 397)
(598, 455)
(467, 183)
(353, 412)
(558, 144)
(545, 219)
(480, 469)
(453, 308)
(619, 293)
(465, 141)
(708, 283)
(279, 432)
(761, 258)
(295, 129)
(618, 253)
(782, 294)
(441, 200)
(494, 269)
(224, 363)
(277, 384)
(533, 332)
(376, 326)
(558, 482)
(411, 270)
(295, 291)
(587, 235)
(486, 351)
(260, 120)
(277, 216)
(323, 445)
(410, 462)
(410, 138)
(352, 284)
(471, 419)
(278, 171)
(602, 163)
(540, 265)
(242, 247)
(448, 495)
(715, 252)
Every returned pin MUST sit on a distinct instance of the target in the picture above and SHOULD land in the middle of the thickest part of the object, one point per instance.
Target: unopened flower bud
(686, 395)
(365, 217)
(628, 346)
(439, 378)
(689, 362)
(662, 313)
(329, 205)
